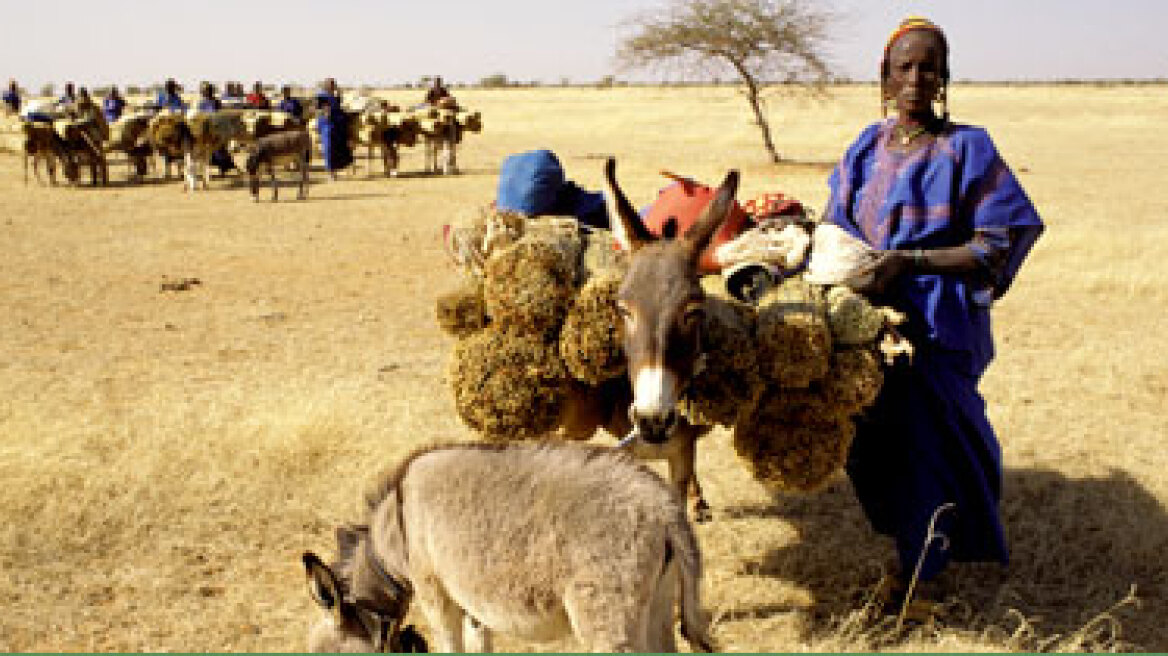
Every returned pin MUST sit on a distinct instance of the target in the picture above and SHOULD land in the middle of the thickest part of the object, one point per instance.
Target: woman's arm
(887, 266)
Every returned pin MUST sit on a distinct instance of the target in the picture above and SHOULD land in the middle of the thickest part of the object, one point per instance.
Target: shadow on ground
(1077, 548)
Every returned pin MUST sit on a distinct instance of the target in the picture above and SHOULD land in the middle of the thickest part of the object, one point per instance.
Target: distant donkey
(543, 541)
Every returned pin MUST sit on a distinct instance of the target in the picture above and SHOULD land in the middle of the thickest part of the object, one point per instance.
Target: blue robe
(170, 101)
(927, 441)
(12, 101)
(112, 108)
(291, 106)
(334, 133)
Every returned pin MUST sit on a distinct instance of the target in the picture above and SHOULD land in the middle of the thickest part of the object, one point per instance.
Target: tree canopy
(761, 41)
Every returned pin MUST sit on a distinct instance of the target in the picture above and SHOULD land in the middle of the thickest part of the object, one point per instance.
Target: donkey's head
(662, 305)
(365, 606)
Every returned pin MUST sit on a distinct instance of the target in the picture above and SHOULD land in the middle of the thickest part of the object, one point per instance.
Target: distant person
(233, 97)
(950, 226)
(113, 105)
(170, 97)
(333, 125)
(289, 104)
(12, 98)
(85, 108)
(68, 99)
(256, 99)
(437, 92)
(208, 103)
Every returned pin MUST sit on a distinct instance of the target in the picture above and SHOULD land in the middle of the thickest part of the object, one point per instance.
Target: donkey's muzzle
(655, 428)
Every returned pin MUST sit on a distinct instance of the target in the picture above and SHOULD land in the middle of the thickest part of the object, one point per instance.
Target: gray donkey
(541, 541)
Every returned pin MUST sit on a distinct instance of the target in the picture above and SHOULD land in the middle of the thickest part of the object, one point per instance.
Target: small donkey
(542, 541)
(268, 151)
(662, 310)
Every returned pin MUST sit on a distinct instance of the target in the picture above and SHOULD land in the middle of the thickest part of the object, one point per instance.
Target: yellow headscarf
(907, 25)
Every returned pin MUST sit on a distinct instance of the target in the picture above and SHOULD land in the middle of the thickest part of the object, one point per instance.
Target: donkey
(662, 309)
(280, 147)
(543, 541)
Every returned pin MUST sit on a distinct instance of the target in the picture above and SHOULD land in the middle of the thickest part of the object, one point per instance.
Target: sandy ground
(167, 455)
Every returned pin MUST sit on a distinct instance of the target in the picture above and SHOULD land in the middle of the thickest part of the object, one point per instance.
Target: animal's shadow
(1077, 547)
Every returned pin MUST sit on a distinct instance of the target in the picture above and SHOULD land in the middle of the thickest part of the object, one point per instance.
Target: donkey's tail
(695, 625)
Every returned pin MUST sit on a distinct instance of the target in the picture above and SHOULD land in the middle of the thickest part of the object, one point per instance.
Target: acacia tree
(762, 41)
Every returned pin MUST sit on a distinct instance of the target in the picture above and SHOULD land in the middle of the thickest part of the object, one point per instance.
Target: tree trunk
(755, 100)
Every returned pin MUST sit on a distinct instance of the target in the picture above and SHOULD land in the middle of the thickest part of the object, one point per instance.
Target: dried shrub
(508, 386)
(854, 379)
(794, 440)
(794, 339)
(729, 382)
(852, 318)
(589, 341)
(528, 287)
(463, 311)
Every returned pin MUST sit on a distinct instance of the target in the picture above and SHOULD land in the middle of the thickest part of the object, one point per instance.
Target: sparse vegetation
(168, 456)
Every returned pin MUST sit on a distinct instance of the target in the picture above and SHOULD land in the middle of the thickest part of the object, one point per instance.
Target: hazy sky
(366, 41)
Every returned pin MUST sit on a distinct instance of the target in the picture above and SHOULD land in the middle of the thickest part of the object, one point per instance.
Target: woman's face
(914, 75)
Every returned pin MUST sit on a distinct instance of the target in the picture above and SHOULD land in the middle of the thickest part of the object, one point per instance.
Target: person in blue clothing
(69, 98)
(333, 125)
(12, 97)
(289, 104)
(950, 226)
(170, 98)
(113, 105)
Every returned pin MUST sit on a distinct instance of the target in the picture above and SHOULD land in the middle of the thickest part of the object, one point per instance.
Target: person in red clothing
(256, 99)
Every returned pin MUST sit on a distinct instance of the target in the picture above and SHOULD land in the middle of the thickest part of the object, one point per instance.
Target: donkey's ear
(322, 584)
(699, 234)
(626, 224)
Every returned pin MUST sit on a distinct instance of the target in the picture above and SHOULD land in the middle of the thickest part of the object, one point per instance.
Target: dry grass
(166, 456)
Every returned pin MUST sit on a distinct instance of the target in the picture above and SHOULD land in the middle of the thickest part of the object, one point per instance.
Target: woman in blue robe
(333, 126)
(169, 97)
(12, 97)
(950, 226)
(113, 105)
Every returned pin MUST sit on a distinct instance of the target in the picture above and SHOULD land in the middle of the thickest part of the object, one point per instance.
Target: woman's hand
(883, 269)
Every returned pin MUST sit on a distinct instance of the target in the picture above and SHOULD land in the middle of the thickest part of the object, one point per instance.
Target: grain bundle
(528, 286)
(852, 318)
(589, 341)
(794, 338)
(508, 386)
(854, 379)
(470, 121)
(794, 440)
(728, 382)
(463, 311)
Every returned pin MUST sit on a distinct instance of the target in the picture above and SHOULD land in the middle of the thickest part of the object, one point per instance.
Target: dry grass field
(166, 456)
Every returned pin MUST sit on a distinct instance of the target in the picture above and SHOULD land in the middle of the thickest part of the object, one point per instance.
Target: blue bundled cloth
(534, 184)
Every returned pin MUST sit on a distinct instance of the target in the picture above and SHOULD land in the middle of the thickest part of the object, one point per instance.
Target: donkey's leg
(302, 164)
(393, 160)
(444, 616)
(476, 637)
(682, 467)
(659, 623)
(275, 184)
(606, 617)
